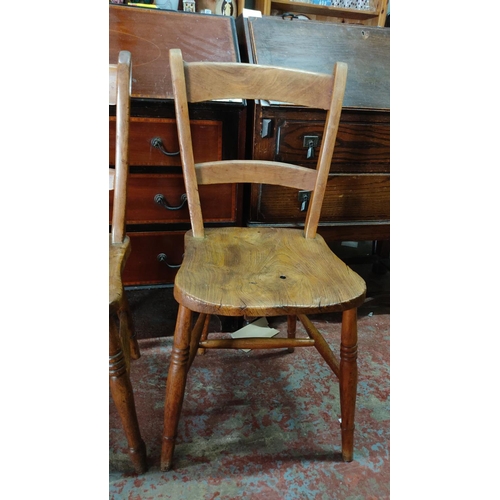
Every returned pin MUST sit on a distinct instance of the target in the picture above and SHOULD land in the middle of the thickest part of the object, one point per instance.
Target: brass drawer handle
(157, 143)
(160, 199)
(162, 257)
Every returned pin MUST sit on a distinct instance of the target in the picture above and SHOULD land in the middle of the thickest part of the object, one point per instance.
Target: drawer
(348, 198)
(152, 256)
(360, 147)
(206, 134)
(149, 195)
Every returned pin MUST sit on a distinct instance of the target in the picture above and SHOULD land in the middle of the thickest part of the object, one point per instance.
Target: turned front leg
(123, 397)
(176, 383)
(348, 380)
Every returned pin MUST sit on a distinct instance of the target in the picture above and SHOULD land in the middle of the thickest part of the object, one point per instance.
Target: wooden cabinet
(357, 201)
(157, 214)
(375, 15)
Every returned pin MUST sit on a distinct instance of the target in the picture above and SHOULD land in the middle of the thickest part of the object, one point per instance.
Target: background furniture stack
(356, 203)
(157, 215)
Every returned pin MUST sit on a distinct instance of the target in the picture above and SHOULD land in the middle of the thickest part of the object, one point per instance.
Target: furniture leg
(176, 383)
(321, 345)
(199, 331)
(380, 253)
(204, 334)
(123, 397)
(291, 323)
(127, 324)
(348, 380)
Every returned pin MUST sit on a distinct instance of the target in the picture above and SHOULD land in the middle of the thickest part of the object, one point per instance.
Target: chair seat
(118, 253)
(264, 272)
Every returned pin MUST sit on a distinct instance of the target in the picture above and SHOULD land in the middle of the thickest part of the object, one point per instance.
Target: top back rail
(205, 81)
(251, 81)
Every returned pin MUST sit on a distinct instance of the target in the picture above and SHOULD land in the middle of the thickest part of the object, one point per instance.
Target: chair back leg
(291, 329)
(123, 397)
(127, 331)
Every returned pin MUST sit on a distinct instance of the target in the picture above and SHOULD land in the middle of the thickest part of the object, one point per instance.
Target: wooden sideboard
(157, 215)
(356, 204)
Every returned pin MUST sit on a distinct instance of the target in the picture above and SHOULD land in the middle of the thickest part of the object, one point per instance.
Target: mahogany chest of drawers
(356, 204)
(157, 215)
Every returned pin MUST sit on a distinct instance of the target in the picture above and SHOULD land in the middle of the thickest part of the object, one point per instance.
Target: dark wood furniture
(122, 344)
(260, 271)
(157, 215)
(356, 205)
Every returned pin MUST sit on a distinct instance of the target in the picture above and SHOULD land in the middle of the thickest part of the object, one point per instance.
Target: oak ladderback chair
(260, 271)
(122, 343)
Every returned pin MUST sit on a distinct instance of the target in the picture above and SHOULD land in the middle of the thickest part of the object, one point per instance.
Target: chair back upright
(120, 87)
(207, 81)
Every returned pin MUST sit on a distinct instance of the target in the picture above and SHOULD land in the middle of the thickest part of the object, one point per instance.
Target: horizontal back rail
(256, 171)
(246, 81)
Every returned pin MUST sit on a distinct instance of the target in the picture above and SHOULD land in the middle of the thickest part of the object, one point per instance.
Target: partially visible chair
(260, 271)
(122, 343)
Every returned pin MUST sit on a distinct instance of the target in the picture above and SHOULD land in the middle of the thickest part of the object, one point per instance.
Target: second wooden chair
(122, 344)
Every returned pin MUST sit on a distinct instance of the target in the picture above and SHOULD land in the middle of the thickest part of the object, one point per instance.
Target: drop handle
(162, 257)
(310, 142)
(304, 197)
(310, 150)
(160, 200)
(157, 143)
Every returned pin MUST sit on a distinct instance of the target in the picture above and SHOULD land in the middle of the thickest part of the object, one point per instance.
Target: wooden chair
(122, 344)
(260, 271)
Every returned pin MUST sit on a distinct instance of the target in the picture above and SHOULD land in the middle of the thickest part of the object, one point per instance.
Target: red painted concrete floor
(262, 424)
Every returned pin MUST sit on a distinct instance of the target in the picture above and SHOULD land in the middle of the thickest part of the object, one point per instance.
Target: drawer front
(206, 134)
(360, 147)
(348, 198)
(152, 254)
(148, 194)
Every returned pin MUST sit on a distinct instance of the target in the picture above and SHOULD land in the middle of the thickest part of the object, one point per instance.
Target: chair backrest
(204, 81)
(120, 86)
